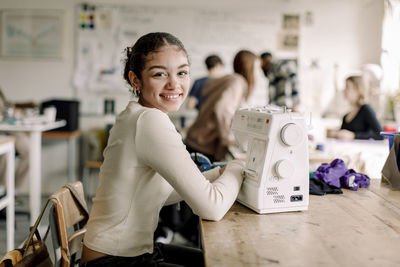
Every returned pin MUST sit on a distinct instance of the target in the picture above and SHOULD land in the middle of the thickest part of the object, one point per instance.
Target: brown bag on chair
(390, 171)
(36, 254)
(34, 251)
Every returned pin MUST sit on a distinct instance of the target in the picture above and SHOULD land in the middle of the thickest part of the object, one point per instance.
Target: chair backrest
(68, 217)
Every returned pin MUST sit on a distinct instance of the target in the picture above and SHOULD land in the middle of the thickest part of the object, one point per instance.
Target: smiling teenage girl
(146, 166)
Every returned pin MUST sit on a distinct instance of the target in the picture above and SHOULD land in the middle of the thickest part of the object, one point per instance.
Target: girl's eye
(183, 73)
(160, 74)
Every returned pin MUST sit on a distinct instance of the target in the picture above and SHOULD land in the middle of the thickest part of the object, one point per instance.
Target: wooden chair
(68, 217)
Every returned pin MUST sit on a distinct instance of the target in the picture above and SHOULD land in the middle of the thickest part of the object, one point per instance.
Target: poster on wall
(31, 33)
(98, 56)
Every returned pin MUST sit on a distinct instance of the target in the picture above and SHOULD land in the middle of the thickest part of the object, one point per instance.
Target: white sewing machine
(277, 172)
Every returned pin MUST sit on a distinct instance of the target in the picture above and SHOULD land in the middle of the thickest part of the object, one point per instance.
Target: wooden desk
(358, 228)
(72, 138)
(7, 149)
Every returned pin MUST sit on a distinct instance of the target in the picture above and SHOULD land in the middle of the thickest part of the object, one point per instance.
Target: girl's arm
(160, 147)
(210, 175)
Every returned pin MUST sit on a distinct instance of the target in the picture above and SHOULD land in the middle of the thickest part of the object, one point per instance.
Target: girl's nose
(172, 81)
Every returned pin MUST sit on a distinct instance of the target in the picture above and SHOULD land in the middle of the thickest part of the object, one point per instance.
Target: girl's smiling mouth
(170, 96)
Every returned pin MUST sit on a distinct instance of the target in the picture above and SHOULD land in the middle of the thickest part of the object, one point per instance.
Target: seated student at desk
(215, 68)
(211, 133)
(361, 121)
(21, 146)
(147, 166)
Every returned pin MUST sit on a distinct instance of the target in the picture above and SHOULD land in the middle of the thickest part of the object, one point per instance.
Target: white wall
(344, 32)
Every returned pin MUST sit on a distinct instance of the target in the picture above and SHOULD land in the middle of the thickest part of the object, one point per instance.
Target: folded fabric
(331, 172)
(353, 180)
(337, 174)
(320, 188)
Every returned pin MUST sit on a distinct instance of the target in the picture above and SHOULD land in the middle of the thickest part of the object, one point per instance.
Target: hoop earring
(135, 91)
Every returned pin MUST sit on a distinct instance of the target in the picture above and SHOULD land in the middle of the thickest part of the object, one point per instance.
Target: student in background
(146, 166)
(282, 77)
(21, 146)
(361, 121)
(210, 134)
(215, 68)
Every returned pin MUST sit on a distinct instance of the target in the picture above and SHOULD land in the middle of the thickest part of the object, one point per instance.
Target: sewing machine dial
(291, 134)
(284, 168)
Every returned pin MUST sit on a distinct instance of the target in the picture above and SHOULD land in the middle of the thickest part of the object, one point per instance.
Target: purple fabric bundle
(337, 174)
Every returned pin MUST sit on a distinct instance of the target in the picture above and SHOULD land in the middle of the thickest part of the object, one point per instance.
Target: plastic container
(390, 136)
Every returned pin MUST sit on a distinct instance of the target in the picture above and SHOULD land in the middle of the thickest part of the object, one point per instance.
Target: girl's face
(351, 92)
(165, 79)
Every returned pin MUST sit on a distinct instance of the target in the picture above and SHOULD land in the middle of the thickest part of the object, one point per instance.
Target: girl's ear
(134, 80)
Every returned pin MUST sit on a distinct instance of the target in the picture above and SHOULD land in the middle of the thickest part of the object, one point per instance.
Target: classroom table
(364, 156)
(356, 228)
(7, 148)
(35, 163)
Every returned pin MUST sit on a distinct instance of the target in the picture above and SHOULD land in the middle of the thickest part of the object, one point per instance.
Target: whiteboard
(104, 31)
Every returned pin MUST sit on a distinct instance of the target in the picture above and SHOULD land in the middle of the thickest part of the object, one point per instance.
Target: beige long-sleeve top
(211, 131)
(146, 166)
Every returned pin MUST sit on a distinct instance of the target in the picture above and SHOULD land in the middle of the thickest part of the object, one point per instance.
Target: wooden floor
(357, 228)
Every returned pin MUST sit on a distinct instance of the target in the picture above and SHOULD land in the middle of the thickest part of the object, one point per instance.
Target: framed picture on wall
(291, 22)
(288, 41)
(31, 33)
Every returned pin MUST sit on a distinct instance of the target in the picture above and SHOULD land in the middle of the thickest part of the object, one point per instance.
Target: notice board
(104, 31)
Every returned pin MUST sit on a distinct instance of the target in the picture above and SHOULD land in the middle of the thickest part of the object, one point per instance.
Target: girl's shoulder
(136, 108)
(135, 111)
